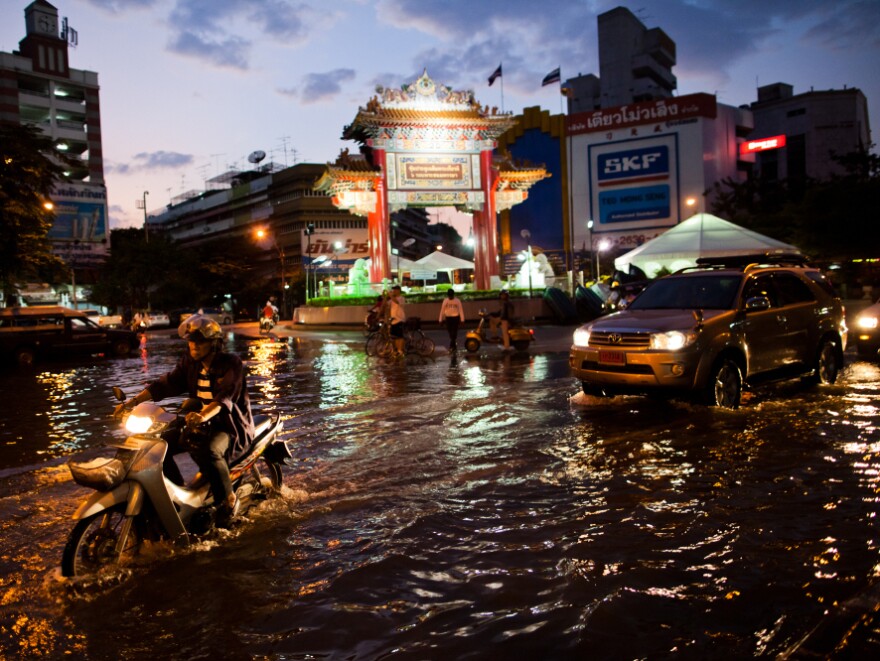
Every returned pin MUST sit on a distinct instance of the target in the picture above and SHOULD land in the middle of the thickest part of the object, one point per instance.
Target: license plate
(612, 357)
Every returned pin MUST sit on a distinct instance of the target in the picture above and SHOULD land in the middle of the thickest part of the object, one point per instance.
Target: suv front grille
(620, 340)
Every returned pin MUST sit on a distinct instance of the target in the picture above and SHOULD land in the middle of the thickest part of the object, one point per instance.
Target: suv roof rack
(755, 259)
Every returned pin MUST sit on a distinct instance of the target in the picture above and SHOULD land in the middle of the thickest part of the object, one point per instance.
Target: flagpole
(502, 90)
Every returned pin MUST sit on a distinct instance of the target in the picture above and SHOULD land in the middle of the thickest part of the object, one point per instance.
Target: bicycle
(380, 343)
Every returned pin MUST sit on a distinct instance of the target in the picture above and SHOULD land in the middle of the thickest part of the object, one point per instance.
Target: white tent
(405, 264)
(701, 235)
(441, 261)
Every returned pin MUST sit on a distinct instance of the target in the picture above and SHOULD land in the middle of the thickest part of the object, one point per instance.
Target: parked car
(106, 320)
(155, 319)
(867, 330)
(28, 334)
(219, 315)
(712, 330)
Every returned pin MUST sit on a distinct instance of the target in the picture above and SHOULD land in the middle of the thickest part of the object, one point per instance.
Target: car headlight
(581, 337)
(671, 340)
(867, 322)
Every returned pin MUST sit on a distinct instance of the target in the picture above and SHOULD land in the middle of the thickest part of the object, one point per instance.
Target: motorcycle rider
(502, 318)
(218, 380)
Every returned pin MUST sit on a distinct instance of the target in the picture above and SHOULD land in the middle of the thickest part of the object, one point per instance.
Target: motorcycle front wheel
(93, 540)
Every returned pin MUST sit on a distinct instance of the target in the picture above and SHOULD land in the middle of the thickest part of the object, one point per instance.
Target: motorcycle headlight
(581, 337)
(867, 322)
(138, 424)
(671, 340)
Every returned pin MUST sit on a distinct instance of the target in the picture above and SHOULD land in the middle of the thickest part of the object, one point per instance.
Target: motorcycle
(520, 337)
(134, 502)
(266, 324)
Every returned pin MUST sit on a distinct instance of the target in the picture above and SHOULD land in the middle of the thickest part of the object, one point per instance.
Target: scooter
(520, 337)
(266, 325)
(134, 502)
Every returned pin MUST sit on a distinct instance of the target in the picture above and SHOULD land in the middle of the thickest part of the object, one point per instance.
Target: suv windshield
(705, 292)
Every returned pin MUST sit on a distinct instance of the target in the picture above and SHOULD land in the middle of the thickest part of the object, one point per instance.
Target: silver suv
(713, 329)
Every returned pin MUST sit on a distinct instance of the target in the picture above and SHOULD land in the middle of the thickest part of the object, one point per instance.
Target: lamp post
(528, 236)
(590, 241)
(310, 229)
(146, 232)
(604, 244)
(337, 248)
(262, 234)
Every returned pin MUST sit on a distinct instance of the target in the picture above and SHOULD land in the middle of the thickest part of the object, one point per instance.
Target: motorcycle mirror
(118, 394)
(190, 404)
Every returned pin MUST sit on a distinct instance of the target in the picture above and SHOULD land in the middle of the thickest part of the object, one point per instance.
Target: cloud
(121, 6)
(159, 160)
(317, 87)
(212, 30)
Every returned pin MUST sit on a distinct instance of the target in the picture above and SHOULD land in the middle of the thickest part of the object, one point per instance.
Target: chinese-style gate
(425, 145)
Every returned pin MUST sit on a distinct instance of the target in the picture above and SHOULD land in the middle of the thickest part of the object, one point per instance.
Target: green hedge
(415, 297)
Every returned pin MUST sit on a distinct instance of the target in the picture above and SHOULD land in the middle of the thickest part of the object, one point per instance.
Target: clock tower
(41, 18)
(43, 45)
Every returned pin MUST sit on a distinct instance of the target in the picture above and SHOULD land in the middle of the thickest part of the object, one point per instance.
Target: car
(155, 319)
(29, 334)
(712, 330)
(106, 320)
(219, 315)
(867, 331)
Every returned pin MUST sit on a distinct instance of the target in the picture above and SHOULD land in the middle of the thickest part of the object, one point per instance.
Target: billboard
(79, 233)
(335, 247)
(634, 183)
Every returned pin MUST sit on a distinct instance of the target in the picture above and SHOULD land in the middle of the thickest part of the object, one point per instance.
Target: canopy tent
(441, 261)
(701, 235)
(405, 264)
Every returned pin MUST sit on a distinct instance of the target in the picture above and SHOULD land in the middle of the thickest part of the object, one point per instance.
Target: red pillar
(485, 229)
(378, 223)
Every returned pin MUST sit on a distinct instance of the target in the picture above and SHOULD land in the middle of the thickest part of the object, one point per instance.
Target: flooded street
(460, 507)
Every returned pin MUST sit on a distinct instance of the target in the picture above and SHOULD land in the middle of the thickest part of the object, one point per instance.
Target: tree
(27, 174)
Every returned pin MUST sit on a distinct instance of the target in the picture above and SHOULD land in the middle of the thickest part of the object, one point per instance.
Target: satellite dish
(256, 156)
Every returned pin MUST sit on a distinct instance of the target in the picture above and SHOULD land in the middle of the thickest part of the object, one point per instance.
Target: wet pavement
(465, 507)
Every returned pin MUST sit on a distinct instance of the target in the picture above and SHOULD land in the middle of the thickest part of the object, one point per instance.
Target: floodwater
(460, 508)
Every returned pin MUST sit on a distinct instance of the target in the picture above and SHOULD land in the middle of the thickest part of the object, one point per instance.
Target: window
(792, 290)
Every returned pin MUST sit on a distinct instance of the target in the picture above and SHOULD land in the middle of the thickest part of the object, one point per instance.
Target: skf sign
(773, 142)
(633, 166)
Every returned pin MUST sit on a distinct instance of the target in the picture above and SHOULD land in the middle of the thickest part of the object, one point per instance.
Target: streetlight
(262, 234)
(337, 248)
(604, 244)
(310, 229)
(590, 241)
(405, 244)
(528, 236)
(146, 232)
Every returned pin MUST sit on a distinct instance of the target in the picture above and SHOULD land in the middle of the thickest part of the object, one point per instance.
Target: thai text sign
(649, 112)
(427, 172)
(773, 142)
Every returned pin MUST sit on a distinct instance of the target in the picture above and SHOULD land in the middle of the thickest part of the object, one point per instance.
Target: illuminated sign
(637, 165)
(773, 142)
(432, 172)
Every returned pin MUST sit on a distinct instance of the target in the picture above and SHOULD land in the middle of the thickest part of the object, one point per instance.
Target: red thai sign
(773, 142)
(648, 112)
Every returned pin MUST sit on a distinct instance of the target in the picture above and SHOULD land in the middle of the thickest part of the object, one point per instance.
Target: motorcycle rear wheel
(91, 545)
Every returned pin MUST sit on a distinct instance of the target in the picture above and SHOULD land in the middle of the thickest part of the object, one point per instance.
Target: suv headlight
(671, 340)
(867, 322)
(581, 337)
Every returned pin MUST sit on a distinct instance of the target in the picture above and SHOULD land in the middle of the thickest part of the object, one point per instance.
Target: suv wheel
(725, 385)
(827, 365)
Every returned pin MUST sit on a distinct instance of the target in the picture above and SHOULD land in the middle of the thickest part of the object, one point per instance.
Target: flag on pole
(552, 77)
(495, 74)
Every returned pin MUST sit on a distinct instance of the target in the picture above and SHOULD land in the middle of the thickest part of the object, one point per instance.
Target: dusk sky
(189, 88)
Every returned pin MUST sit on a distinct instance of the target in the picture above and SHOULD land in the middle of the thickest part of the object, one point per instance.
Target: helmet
(199, 329)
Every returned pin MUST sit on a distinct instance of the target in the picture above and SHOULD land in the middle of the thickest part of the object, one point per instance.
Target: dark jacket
(228, 382)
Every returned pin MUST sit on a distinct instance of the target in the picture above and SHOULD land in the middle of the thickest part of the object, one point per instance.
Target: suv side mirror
(757, 303)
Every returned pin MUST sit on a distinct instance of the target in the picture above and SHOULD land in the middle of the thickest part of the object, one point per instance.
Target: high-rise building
(39, 87)
(635, 64)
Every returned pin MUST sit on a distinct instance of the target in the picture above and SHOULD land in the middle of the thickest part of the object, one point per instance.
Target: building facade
(39, 87)
(795, 134)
